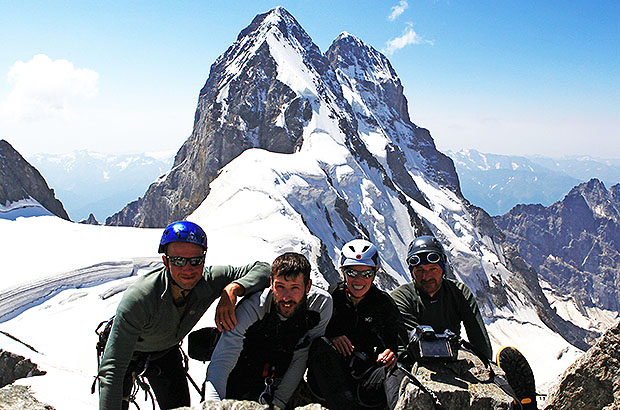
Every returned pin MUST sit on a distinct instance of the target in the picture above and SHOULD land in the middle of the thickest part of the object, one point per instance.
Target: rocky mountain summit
(21, 185)
(573, 244)
(296, 150)
(252, 100)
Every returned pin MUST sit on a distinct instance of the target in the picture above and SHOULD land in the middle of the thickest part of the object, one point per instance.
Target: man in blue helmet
(432, 299)
(161, 308)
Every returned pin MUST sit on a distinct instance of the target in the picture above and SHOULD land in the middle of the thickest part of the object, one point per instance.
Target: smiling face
(429, 277)
(289, 293)
(358, 286)
(187, 276)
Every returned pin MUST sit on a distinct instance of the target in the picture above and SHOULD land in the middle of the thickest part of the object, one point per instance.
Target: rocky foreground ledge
(592, 382)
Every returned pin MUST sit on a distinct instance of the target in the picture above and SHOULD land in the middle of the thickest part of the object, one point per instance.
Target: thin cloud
(408, 37)
(398, 10)
(44, 88)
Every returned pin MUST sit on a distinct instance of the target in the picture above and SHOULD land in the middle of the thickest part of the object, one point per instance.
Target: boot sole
(519, 374)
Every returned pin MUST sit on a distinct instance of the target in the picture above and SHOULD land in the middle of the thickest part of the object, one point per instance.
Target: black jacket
(372, 326)
(452, 305)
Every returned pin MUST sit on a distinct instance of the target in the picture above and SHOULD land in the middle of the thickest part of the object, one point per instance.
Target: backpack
(103, 332)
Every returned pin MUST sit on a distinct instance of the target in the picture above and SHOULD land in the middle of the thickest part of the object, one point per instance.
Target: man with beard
(264, 357)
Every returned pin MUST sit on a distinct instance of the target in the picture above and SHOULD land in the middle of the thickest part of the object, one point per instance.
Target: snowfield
(58, 305)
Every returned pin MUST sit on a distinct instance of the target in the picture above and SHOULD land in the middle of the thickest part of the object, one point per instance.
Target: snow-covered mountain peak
(276, 19)
(361, 60)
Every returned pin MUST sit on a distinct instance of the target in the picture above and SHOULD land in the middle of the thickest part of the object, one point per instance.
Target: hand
(225, 312)
(343, 345)
(387, 358)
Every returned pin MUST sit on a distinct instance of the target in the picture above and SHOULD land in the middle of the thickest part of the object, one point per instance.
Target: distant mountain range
(574, 245)
(497, 183)
(90, 182)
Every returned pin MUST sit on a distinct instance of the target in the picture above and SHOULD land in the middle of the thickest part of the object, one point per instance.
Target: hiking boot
(519, 375)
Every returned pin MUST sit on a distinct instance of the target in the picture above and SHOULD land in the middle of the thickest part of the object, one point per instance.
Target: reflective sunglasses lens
(355, 273)
(368, 273)
(177, 261)
(180, 261)
(196, 260)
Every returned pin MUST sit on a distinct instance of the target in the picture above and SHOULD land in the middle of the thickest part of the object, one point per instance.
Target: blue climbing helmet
(359, 252)
(183, 231)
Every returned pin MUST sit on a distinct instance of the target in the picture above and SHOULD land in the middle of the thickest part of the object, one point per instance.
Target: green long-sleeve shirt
(452, 304)
(147, 319)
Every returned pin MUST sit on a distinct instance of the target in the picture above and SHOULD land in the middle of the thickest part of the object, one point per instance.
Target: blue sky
(508, 77)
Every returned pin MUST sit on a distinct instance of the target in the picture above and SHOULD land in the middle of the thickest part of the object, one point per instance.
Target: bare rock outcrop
(16, 397)
(21, 181)
(13, 367)
(464, 384)
(593, 381)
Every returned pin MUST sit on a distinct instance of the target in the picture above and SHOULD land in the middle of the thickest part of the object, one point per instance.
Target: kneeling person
(264, 357)
(349, 366)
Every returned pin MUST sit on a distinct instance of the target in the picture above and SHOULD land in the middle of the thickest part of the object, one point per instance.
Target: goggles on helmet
(352, 273)
(180, 261)
(424, 258)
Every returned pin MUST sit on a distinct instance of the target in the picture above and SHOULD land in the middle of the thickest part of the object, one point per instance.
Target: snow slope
(253, 223)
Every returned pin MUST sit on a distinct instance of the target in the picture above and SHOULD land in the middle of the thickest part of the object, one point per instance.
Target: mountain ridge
(22, 186)
(498, 182)
(573, 243)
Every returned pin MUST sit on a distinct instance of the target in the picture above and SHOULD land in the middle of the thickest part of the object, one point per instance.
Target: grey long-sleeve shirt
(230, 345)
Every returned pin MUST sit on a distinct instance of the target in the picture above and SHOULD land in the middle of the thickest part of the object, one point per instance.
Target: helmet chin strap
(184, 292)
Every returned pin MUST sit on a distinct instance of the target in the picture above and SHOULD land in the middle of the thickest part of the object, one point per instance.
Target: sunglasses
(429, 257)
(352, 273)
(180, 261)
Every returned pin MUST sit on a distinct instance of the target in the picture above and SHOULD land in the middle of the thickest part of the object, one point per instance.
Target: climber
(161, 308)
(434, 300)
(348, 366)
(264, 357)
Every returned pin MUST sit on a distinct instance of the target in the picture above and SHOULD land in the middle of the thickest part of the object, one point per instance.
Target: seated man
(432, 299)
(347, 367)
(264, 357)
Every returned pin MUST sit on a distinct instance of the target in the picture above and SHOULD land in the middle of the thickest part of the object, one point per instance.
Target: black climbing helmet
(425, 249)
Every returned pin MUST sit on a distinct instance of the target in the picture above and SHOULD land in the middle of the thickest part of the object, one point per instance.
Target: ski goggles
(424, 258)
(352, 273)
(180, 261)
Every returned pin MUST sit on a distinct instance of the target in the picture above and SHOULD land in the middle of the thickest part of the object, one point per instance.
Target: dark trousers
(330, 378)
(166, 376)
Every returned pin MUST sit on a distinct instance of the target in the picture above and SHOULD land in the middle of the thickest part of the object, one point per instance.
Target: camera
(427, 346)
